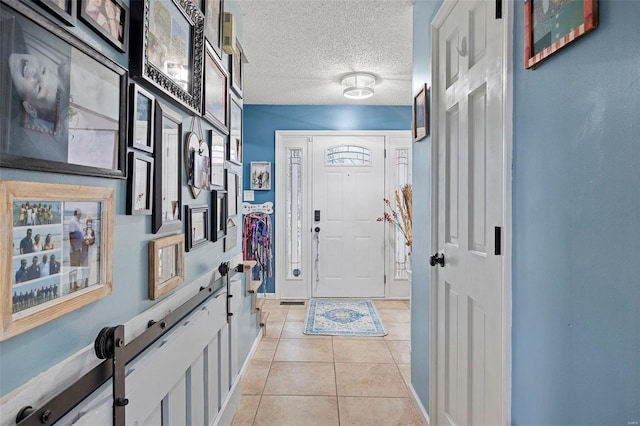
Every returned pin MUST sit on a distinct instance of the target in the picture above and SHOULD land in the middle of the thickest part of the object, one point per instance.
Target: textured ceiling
(298, 50)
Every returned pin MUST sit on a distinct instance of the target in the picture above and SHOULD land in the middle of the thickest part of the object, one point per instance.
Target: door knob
(437, 259)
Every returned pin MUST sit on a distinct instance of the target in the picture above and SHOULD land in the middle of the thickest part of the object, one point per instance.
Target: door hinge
(498, 241)
(385, 278)
(498, 9)
(385, 153)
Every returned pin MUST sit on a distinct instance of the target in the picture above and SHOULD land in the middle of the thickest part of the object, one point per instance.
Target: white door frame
(507, 138)
(280, 162)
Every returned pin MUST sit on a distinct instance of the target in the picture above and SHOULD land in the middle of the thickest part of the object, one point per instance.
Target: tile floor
(295, 379)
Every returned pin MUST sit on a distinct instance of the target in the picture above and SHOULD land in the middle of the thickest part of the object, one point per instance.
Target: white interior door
(348, 192)
(470, 207)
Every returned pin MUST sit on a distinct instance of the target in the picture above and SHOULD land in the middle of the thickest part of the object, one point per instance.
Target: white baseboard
(267, 295)
(230, 405)
(418, 403)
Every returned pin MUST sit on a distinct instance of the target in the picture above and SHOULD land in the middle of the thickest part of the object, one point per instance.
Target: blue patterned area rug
(337, 317)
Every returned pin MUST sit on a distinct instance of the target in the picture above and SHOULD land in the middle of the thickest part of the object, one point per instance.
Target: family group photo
(55, 250)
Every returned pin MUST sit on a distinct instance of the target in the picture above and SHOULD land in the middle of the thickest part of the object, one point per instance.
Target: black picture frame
(233, 189)
(84, 128)
(140, 184)
(218, 156)
(197, 232)
(219, 215)
(153, 42)
(237, 64)
(115, 28)
(66, 14)
(141, 120)
(213, 13)
(420, 121)
(234, 147)
(167, 200)
(216, 92)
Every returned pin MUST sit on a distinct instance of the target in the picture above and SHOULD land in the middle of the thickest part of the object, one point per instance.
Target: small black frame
(219, 216)
(216, 92)
(143, 107)
(66, 14)
(237, 68)
(197, 222)
(213, 13)
(114, 29)
(140, 184)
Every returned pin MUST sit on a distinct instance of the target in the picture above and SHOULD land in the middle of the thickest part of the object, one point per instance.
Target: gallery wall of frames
(170, 118)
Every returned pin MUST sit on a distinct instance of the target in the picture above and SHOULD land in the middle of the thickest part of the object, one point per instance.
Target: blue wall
(27, 355)
(261, 122)
(423, 14)
(576, 220)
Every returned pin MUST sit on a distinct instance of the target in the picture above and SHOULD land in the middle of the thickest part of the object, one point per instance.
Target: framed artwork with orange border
(549, 25)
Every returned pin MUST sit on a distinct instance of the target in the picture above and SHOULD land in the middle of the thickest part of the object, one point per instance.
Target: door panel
(470, 164)
(477, 171)
(452, 188)
(348, 189)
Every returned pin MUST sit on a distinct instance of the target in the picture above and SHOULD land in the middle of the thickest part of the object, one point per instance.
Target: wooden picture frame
(213, 24)
(549, 27)
(216, 93)
(234, 147)
(140, 184)
(77, 226)
(260, 175)
(218, 155)
(142, 116)
(237, 68)
(65, 10)
(109, 19)
(168, 48)
(166, 265)
(420, 122)
(167, 200)
(197, 230)
(219, 215)
(81, 128)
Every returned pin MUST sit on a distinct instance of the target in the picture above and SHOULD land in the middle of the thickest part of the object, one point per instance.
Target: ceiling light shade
(358, 85)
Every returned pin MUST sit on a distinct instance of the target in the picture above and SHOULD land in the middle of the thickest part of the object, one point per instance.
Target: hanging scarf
(256, 243)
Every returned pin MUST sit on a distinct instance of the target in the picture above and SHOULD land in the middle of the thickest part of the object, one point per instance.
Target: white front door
(469, 141)
(348, 192)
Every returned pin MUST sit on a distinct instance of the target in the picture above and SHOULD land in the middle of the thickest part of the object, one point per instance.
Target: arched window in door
(348, 155)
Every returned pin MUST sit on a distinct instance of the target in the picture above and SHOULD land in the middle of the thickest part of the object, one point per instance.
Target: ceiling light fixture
(358, 85)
